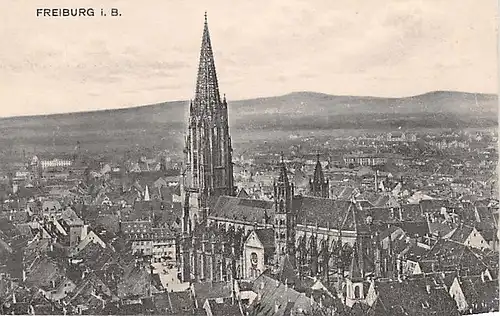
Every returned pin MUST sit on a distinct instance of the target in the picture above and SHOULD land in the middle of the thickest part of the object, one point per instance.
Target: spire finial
(282, 157)
(206, 17)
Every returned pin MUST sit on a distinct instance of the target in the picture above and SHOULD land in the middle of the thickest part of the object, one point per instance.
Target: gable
(253, 241)
(476, 240)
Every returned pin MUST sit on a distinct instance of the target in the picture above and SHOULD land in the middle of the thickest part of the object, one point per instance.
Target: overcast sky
(262, 48)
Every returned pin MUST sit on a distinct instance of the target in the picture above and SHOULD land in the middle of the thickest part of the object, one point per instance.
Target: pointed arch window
(357, 292)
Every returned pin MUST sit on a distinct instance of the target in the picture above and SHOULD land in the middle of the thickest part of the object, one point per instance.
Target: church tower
(284, 221)
(318, 185)
(208, 152)
(354, 282)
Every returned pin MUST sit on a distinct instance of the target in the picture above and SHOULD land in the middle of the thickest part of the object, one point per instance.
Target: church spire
(318, 184)
(207, 95)
(209, 169)
(283, 177)
(319, 176)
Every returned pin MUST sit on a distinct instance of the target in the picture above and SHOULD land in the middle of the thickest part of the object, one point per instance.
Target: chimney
(428, 288)
(24, 275)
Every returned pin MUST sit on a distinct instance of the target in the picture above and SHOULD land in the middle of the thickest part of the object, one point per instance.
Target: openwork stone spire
(209, 169)
(207, 97)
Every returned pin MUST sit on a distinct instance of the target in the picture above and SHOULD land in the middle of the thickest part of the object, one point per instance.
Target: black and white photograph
(249, 158)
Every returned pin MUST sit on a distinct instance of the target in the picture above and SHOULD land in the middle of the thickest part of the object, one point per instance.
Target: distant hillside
(316, 110)
(164, 124)
(296, 104)
(311, 103)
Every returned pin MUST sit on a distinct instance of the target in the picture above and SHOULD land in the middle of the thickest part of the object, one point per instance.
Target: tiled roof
(275, 298)
(181, 301)
(481, 293)
(8, 230)
(413, 228)
(325, 212)
(286, 273)
(486, 218)
(140, 206)
(389, 231)
(247, 210)
(266, 237)
(209, 290)
(87, 293)
(365, 204)
(461, 234)
(224, 309)
(173, 303)
(43, 273)
(382, 214)
(441, 228)
(135, 281)
(416, 253)
(411, 212)
(432, 206)
(411, 298)
(449, 256)
(25, 230)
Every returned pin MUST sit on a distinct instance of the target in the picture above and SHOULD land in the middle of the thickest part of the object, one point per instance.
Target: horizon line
(238, 100)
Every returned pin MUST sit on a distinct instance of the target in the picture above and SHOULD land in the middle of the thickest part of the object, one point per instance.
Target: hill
(163, 124)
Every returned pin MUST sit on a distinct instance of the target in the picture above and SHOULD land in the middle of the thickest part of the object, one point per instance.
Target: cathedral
(226, 237)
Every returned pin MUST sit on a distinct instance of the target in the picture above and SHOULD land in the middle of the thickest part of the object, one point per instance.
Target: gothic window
(254, 259)
(357, 292)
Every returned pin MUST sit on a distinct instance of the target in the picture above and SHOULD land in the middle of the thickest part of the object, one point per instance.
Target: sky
(149, 54)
